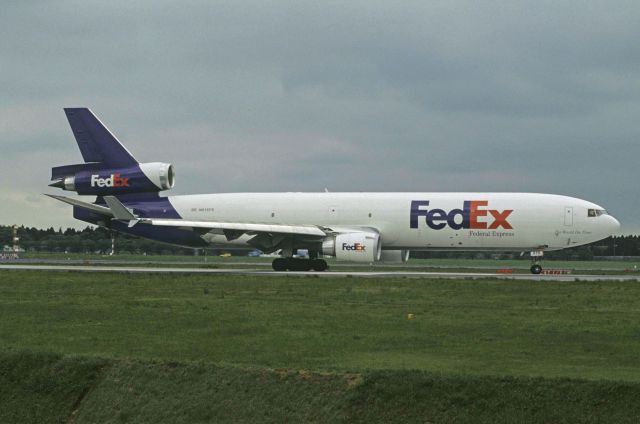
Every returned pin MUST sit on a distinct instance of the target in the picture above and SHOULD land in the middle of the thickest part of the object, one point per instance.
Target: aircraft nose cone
(613, 225)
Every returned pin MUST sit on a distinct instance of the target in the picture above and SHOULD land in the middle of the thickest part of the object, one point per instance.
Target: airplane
(354, 227)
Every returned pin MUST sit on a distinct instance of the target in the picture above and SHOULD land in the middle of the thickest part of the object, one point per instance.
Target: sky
(246, 96)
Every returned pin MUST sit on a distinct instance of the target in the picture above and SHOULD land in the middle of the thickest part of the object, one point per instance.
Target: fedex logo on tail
(473, 215)
(115, 180)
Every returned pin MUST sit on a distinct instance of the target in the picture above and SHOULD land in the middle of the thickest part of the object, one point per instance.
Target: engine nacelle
(399, 256)
(353, 247)
(144, 177)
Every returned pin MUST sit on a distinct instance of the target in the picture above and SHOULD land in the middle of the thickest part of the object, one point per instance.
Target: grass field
(47, 388)
(578, 329)
(496, 351)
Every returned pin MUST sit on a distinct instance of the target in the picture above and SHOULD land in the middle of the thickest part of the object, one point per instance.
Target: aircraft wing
(231, 230)
(303, 230)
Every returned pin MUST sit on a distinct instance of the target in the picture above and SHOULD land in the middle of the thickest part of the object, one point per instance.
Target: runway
(326, 274)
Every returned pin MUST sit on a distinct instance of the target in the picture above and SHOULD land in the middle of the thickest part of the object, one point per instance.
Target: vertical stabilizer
(95, 141)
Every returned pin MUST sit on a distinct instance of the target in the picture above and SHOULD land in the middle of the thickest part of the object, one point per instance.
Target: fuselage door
(568, 216)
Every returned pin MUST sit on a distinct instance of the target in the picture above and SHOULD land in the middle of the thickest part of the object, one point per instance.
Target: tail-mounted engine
(93, 178)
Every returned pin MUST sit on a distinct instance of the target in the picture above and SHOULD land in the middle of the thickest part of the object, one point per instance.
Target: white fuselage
(491, 221)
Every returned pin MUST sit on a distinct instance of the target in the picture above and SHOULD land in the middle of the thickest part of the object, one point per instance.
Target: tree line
(98, 240)
(88, 240)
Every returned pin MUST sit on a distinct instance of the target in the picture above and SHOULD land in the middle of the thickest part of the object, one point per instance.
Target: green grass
(485, 327)
(44, 388)
(195, 348)
(36, 388)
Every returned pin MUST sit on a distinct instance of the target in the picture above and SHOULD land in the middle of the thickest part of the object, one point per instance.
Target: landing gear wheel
(279, 264)
(299, 264)
(536, 269)
(319, 265)
(292, 264)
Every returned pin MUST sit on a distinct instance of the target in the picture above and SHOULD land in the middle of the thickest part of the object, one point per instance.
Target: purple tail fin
(95, 141)
(108, 169)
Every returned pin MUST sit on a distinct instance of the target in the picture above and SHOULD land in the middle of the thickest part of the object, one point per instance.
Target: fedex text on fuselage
(471, 216)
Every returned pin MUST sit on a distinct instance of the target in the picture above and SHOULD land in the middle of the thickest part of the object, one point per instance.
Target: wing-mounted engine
(96, 179)
(353, 247)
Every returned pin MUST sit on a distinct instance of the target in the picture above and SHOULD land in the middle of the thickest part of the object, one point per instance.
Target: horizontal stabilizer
(84, 205)
(118, 209)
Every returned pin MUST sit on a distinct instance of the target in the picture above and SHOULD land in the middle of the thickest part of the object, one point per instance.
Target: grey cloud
(242, 96)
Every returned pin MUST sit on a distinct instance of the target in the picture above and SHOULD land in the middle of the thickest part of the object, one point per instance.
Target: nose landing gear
(536, 257)
(536, 269)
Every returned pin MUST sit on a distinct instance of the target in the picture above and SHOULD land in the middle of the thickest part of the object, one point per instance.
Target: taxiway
(326, 274)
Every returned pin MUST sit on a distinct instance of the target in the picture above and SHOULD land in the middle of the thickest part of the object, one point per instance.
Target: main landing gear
(295, 264)
(536, 257)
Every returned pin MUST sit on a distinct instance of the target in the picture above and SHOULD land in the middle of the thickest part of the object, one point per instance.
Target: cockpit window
(592, 213)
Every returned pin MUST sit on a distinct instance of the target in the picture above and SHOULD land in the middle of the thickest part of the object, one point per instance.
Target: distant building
(9, 249)
(8, 252)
